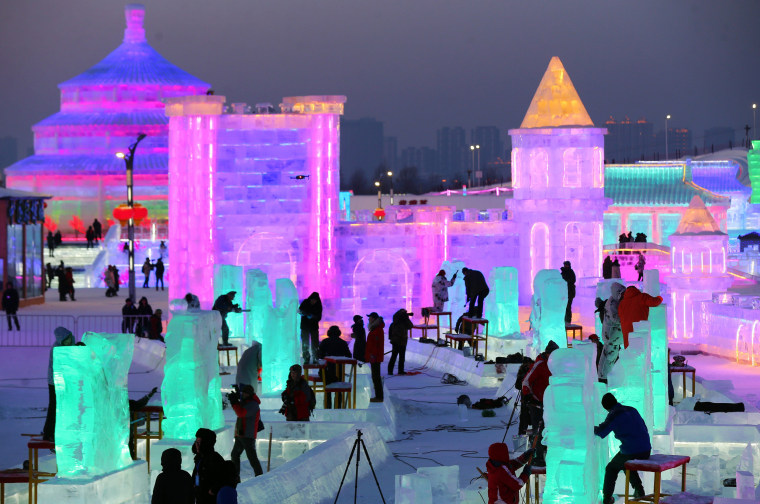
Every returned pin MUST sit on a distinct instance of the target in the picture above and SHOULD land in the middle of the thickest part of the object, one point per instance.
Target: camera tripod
(359, 442)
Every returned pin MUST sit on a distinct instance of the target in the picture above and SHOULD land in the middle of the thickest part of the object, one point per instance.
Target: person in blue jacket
(631, 431)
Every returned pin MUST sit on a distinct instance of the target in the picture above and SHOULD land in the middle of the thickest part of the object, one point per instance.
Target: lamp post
(667, 118)
(754, 123)
(379, 194)
(129, 161)
(390, 178)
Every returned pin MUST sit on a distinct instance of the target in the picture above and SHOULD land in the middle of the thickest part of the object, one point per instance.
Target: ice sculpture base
(224, 441)
(130, 484)
(450, 360)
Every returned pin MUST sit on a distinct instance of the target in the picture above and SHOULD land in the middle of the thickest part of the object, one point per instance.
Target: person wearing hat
(311, 313)
(533, 387)
(374, 354)
(631, 431)
(224, 305)
(63, 337)
(209, 465)
(568, 275)
(332, 346)
(173, 484)
(297, 398)
(128, 312)
(359, 335)
(441, 289)
(398, 334)
(476, 289)
(248, 412)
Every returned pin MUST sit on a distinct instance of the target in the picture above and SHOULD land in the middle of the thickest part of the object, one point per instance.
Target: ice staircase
(75, 255)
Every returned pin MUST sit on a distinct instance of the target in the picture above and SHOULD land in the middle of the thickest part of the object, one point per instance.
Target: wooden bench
(147, 412)
(10, 476)
(571, 330)
(438, 316)
(35, 476)
(316, 381)
(423, 328)
(472, 339)
(345, 388)
(684, 370)
(476, 323)
(656, 464)
(227, 349)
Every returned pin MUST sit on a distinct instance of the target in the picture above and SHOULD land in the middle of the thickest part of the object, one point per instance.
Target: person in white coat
(441, 289)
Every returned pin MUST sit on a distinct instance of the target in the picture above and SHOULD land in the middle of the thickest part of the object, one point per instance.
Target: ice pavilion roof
(42, 164)
(719, 176)
(664, 184)
(134, 62)
(144, 117)
(698, 220)
(556, 103)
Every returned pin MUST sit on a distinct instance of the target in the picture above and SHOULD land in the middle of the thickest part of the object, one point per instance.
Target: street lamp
(667, 118)
(129, 161)
(379, 194)
(390, 178)
(754, 123)
(473, 148)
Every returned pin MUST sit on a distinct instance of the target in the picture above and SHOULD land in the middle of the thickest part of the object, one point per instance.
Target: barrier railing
(37, 330)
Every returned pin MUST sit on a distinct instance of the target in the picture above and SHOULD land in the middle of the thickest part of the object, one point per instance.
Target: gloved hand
(526, 470)
(530, 452)
(153, 392)
(233, 398)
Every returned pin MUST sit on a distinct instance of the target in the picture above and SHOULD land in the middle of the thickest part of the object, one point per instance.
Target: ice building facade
(102, 112)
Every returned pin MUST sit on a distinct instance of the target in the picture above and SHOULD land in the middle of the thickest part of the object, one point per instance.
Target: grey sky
(414, 64)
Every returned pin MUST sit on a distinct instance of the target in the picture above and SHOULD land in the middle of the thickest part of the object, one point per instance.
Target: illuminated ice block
(753, 165)
(444, 481)
(631, 378)
(501, 309)
(191, 388)
(92, 407)
(280, 349)
(549, 303)
(230, 278)
(457, 293)
(573, 472)
(413, 489)
(259, 301)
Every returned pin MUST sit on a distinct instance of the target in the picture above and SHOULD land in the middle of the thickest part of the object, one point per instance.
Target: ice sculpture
(573, 472)
(457, 293)
(230, 278)
(753, 165)
(501, 310)
(547, 317)
(658, 323)
(631, 378)
(276, 328)
(92, 426)
(190, 390)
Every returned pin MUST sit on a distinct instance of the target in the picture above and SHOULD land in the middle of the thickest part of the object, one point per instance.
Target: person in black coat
(58, 238)
(10, 304)
(160, 268)
(311, 313)
(477, 289)
(398, 335)
(568, 275)
(51, 243)
(90, 235)
(128, 312)
(333, 346)
(607, 268)
(98, 228)
(359, 334)
(144, 310)
(63, 284)
(173, 485)
(208, 472)
(50, 271)
(224, 305)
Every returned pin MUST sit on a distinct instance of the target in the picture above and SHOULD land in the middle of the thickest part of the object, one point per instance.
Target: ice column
(280, 349)
(190, 390)
(548, 314)
(259, 301)
(230, 278)
(631, 380)
(502, 309)
(457, 293)
(572, 457)
(92, 409)
(658, 323)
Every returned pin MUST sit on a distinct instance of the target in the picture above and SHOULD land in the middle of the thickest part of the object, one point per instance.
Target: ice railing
(37, 330)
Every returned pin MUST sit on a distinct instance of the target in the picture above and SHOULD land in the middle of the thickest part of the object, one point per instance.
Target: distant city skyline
(419, 65)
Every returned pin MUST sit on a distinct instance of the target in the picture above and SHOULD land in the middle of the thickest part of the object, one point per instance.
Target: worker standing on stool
(441, 289)
(224, 305)
(476, 289)
(311, 313)
(568, 275)
(631, 431)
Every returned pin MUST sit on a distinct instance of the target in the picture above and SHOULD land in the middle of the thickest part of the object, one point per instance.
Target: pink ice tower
(254, 190)
(558, 180)
(102, 112)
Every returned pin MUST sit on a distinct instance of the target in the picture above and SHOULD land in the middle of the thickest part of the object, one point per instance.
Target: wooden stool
(346, 387)
(571, 330)
(34, 474)
(227, 349)
(476, 323)
(147, 412)
(656, 464)
(683, 370)
(473, 340)
(423, 328)
(438, 316)
(12, 476)
(317, 382)
(535, 473)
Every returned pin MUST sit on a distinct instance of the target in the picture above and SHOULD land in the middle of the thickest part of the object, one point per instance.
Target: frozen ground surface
(430, 432)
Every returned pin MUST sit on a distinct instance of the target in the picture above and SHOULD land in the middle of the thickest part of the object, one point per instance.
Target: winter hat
(247, 389)
(171, 459)
(207, 436)
(373, 315)
(608, 401)
(232, 292)
(594, 338)
(297, 368)
(62, 334)
(358, 318)
(550, 347)
(333, 331)
(442, 273)
(499, 452)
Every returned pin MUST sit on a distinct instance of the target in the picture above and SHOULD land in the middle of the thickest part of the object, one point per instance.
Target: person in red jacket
(248, 412)
(634, 307)
(502, 482)
(374, 354)
(534, 386)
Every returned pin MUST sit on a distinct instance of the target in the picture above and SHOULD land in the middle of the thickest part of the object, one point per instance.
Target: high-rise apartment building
(453, 151)
(627, 140)
(361, 148)
(390, 153)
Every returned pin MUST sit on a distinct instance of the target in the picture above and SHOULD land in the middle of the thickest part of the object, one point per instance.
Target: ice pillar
(457, 293)
(280, 349)
(92, 408)
(259, 301)
(502, 309)
(230, 278)
(570, 404)
(191, 388)
(658, 323)
(753, 162)
(549, 302)
(631, 378)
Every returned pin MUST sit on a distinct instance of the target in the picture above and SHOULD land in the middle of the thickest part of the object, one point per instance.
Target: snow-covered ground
(429, 429)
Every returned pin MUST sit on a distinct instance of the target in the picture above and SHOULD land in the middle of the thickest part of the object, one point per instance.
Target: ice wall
(457, 292)
(501, 308)
(549, 303)
(190, 390)
(92, 408)
(571, 401)
(753, 165)
(230, 278)
(658, 323)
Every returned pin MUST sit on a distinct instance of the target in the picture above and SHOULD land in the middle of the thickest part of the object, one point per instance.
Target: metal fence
(37, 330)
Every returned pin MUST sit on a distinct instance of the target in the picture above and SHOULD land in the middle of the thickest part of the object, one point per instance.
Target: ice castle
(102, 111)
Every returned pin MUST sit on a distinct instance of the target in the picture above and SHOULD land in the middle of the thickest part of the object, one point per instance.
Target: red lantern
(122, 213)
(146, 222)
(379, 213)
(140, 213)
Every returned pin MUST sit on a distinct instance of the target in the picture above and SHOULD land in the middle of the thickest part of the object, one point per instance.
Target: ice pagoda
(102, 112)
